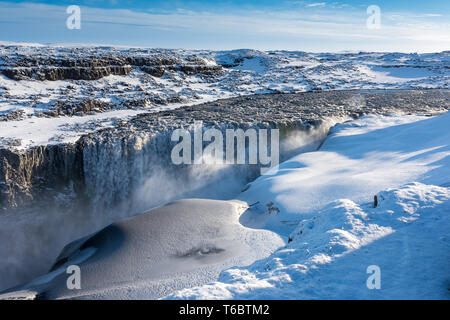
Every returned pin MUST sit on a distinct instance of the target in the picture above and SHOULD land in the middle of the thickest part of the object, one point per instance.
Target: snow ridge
(325, 251)
(126, 82)
(334, 227)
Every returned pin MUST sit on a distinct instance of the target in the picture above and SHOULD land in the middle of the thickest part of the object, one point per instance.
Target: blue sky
(422, 26)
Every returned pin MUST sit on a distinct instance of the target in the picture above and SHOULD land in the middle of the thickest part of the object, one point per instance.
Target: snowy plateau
(86, 178)
(53, 102)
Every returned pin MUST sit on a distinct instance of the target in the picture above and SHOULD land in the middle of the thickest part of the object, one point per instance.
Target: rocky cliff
(51, 195)
(108, 165)
(92, 68)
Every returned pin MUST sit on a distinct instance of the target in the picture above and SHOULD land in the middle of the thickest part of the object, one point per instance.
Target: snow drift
(406, 236)
(355, 162)
(325, 209)
(182, 244)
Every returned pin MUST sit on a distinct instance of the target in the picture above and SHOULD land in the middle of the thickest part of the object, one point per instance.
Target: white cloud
(316, 4)
(326, 30)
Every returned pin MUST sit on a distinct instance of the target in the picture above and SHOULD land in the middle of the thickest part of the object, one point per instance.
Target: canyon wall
(51, 195)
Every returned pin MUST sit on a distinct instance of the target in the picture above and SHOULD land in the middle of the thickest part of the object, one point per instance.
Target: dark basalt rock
(93, 68)
(152, 61)
(81, 107)
(35, 175)
(18, 74)
(65, 73)
(13, 115)
(199, 69)
(156, 71)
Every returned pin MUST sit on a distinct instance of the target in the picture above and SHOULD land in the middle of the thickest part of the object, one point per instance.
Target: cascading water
(52, 195)
(124, 177)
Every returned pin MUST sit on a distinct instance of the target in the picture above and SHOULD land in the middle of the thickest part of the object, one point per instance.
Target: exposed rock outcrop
(110, 164)
(39, 174)
(96, 68)
(64, 73)
(156, 71)
(55, 194)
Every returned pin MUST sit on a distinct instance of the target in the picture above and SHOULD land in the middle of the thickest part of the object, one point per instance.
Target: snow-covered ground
(310, 231)
(323, 202)
(24, 103)
(358, 159)
(182, 244)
